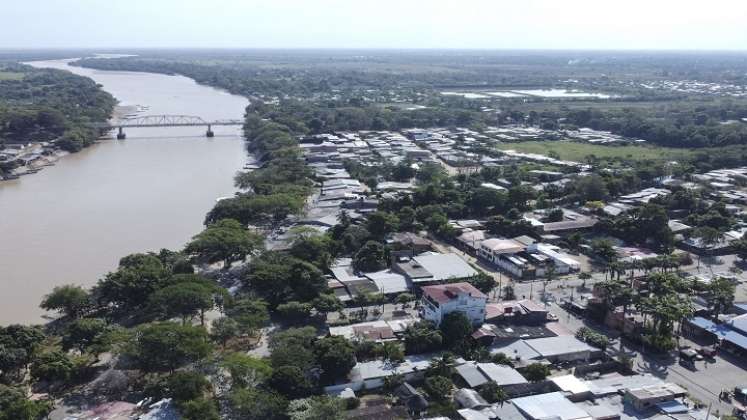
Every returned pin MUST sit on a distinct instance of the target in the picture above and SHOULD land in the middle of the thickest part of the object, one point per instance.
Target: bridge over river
(166, 121)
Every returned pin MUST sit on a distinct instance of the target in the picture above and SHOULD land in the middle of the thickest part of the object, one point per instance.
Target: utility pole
(500, 284)
(531, 289)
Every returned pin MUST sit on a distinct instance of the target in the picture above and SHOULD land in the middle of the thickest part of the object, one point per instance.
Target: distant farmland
(577, 151)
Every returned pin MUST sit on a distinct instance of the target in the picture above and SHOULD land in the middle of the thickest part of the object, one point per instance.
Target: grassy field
(576, 151)
(10, 75)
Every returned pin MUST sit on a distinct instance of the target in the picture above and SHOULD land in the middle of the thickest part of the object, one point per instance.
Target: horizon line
(451, 49)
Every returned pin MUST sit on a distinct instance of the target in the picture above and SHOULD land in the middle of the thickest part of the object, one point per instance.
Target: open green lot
(577, 151)
(10, 75)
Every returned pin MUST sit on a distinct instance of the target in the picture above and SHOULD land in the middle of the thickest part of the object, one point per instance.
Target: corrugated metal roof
(551, 405)
(556, 346)
(500, 374)
(445, 266)
(722, 332)
(471, 374)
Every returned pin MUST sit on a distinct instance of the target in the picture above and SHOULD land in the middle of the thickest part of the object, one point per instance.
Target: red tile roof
(444, 293)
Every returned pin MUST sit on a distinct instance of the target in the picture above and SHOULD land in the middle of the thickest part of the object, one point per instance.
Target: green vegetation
(151, 312)
(225, 240)
(536, 372)
(50, 105)
(580, 152)
(11, 75)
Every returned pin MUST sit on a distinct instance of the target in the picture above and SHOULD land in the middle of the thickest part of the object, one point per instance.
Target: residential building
(646, 397)
(562, 262)
(441, 300)
(433, 267)
(563, 348)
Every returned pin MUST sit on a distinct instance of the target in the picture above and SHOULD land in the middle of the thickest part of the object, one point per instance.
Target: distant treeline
(675, 125)
(342, 94)
(45, 105)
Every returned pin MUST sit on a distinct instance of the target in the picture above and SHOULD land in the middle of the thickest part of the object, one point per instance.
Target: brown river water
(72, 222)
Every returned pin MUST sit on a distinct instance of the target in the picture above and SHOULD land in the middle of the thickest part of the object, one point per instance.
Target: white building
(441, 300)
(509, 255)
(564, 263)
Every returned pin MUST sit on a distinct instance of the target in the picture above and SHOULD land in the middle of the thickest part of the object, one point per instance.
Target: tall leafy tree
(69, 300)
(372, 257)
(254, 403)
(165, 346)
(720, 296)
(185, 300)
(335, 355)
(128, 288)
(226, 240)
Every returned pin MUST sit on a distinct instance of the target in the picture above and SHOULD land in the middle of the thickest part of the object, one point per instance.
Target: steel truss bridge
(167, 121)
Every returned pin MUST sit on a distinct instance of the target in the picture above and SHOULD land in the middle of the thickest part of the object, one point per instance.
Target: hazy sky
(551, 24)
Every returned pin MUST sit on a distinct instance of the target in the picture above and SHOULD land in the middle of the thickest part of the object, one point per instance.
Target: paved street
(704, 383)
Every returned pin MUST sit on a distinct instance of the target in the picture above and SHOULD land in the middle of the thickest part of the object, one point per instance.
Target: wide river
(72, 222)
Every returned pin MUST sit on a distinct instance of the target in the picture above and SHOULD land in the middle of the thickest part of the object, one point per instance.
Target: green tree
(199, 409)
(291, 382)
(317, 408)
(250, 314)
(14, 405)
(52, 366)
(187, 385)
(293, 349)
(482, 282)
(422, 337)
(185, 300)
(294, 311)
(407, 218)
(69, 300)
(555, 215)
(591, 188)
(493, 393)
(536, 372)
(245, 370)
(392, 352)
(314, 249)
(404, 299)
(165, 346)
(438, 387)
(84, 333)
(223, 329)
(381, 223)
(253, 403)
(442, 366)
(327, 303)
(709, 237)
(720, 296)
(484, 201)
(280, 278)
(501, 359)
(372, 257)
(225, 240)
(128, 288)
(335, 355)
(18, 347)
(455, 328)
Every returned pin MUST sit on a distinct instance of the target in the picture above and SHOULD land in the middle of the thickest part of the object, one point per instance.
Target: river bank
(72, 222)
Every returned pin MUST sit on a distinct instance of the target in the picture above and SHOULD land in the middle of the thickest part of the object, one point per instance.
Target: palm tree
(494, 393)
(618, 293)
(443, 366)
(709, 237)
(606, 251)
(720, 296)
